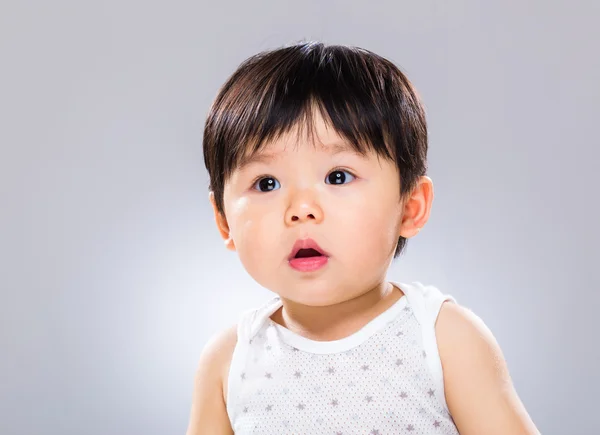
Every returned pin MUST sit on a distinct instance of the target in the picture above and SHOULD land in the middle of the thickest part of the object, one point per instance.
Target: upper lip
(307, 243)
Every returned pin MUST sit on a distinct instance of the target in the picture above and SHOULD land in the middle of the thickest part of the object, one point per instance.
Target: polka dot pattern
(381, 386)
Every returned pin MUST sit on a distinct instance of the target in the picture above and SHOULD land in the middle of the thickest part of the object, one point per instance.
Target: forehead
(320, 138)
(272, 152)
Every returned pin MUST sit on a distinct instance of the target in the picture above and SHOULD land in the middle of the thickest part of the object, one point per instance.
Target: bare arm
(209, 413)
(479, 391)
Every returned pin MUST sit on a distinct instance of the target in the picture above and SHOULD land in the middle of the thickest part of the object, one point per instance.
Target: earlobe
(222, 224)
(229, 244)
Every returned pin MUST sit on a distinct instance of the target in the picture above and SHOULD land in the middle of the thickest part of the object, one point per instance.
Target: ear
(222, 225)
(416, 208)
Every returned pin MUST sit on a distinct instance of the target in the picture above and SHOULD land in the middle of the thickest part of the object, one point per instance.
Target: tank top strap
(251, 321)
(426, 303)
(249, 324)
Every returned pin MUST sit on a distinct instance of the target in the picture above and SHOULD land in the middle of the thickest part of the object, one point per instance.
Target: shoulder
(477, 384)
(454, 320)
(217, 353)
(209, 410)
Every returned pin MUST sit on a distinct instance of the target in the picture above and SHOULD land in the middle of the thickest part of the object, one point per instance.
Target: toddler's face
(347, 203)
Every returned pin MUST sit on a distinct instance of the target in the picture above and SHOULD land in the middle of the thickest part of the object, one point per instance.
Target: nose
(303, 208)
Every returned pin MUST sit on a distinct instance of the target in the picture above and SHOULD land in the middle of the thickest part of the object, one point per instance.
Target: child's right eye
(266, 184)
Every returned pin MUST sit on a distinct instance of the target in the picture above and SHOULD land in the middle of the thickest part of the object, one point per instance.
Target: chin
(313, 295)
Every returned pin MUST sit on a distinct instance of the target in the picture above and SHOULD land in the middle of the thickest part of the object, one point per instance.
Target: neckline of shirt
(343, 344)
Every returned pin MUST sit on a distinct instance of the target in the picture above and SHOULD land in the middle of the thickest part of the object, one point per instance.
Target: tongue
(304, 253)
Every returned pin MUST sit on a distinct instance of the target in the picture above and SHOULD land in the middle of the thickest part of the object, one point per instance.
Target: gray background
(113, 276)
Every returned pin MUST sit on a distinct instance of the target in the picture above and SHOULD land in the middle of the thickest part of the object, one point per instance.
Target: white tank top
(384, 379)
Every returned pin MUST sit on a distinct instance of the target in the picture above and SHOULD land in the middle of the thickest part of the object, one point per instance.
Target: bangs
(361, 95)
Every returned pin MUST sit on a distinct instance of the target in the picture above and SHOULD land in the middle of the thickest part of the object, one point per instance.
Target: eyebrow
(263, 157)
(256, 157)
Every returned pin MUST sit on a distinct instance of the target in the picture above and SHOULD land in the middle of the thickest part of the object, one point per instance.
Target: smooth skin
(338, 300)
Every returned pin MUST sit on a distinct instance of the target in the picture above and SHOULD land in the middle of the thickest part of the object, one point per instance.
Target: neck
(337, 321)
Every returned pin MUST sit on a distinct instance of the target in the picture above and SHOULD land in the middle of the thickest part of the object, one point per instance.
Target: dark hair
(365, 97)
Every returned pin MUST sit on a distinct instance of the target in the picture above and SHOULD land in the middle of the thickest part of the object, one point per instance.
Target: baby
(317, 156)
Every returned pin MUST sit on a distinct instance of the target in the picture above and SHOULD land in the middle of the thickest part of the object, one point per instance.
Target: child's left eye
(339, 177)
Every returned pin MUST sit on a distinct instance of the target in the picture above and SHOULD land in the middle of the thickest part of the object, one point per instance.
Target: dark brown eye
(339, 177)
(266, 184)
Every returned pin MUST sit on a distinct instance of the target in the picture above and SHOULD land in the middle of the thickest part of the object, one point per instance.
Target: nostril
(308, 216)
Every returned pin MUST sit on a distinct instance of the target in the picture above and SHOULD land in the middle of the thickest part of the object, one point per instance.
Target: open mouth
(307, 256)
(307, 253)
(308, 260)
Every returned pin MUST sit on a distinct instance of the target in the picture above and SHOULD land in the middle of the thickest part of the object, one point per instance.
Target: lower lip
(308, 264)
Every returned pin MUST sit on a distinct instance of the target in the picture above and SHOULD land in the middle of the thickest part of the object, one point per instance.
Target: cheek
(370, 226)
(257, 237)
(241, 221)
